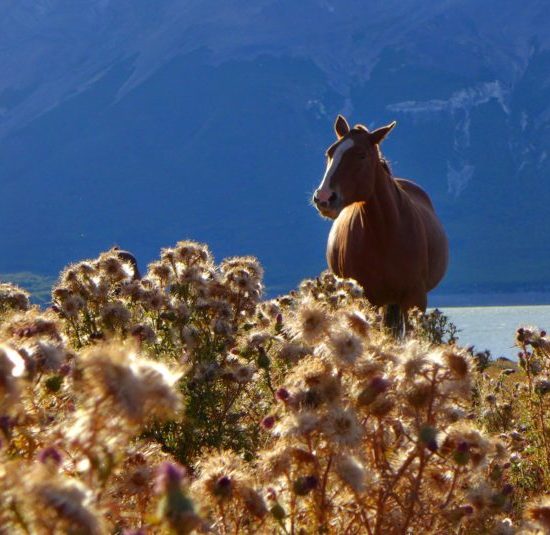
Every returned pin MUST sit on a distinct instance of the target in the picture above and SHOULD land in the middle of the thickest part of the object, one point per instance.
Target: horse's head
(352, 163)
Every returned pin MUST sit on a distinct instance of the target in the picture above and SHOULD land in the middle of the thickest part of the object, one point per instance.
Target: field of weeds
(180, 402)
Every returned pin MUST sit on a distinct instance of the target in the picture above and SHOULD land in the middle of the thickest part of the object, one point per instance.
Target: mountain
(143, 123)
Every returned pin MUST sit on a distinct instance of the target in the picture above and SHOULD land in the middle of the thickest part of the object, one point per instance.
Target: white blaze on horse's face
(324, 189)
(325, 195)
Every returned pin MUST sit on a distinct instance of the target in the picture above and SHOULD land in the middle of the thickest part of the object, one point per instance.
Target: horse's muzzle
(326, 206)
(324, 203)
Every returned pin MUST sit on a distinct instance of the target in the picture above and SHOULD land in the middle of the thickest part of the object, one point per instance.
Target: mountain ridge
(120, 122)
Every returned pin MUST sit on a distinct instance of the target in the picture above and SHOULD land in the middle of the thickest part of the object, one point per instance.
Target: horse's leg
(393, 320)
(396, 318)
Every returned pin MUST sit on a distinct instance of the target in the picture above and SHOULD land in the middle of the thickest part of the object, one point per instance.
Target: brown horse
(385, 234)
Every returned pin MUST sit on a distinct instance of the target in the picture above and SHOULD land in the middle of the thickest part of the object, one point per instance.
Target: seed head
(63, 500)
(13, 298)
(220, 476)
(358, 323)
(292, 352)
(160, 271)
(458, 362)
(276, 462)
(345, 348)
(139, 389)
(144, 333)
(72, 305)
(311, 323)
(115, 315)
(352, 472)
(414, 360)
(341, 426)
(113, 267)
(190, 252)
(298, 424)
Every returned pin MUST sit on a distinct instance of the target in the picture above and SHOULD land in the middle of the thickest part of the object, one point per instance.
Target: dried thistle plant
(179, 402)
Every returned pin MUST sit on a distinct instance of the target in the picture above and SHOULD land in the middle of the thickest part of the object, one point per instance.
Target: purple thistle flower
(223, 487)
(6, 425)
(379, 384)
(50, 454)
(282, 394)
(268, 422)
(169, 476)
(65, 369)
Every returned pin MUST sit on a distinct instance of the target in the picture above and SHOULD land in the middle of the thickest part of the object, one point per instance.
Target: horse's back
(414, 191)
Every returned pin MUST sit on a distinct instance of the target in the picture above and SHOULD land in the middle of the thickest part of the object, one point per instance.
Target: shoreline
(489, 300)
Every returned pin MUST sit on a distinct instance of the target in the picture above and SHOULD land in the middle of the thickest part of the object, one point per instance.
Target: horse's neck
(372, 221)
(385, 202)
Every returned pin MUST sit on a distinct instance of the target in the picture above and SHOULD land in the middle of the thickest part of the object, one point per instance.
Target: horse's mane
(385, 164)
(343, 235)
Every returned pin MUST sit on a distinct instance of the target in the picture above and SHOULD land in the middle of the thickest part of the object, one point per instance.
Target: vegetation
(181, 402)
(39, 286)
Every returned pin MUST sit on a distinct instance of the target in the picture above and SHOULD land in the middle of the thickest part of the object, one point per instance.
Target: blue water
(494, 327)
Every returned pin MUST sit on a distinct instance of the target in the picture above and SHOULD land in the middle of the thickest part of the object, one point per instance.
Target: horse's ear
(380, 133)
(341, 127)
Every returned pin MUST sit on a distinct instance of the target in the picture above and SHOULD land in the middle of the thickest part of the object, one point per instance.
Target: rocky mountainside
(142, 123)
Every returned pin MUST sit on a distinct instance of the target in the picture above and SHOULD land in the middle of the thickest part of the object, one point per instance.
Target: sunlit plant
(180, 402)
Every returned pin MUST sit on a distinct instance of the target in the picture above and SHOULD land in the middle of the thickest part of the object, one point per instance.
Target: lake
(494, 327)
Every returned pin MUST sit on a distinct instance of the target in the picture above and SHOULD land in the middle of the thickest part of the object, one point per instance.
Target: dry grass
(181, 402)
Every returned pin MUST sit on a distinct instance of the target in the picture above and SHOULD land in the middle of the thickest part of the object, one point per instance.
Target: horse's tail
(394, 320)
